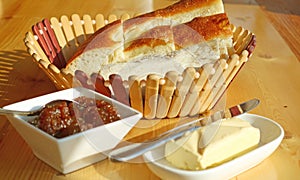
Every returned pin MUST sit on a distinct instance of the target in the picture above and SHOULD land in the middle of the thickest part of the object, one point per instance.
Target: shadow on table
(20, 77)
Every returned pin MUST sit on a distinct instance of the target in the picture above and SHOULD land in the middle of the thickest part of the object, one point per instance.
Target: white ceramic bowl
(79, 150)
(271, 136)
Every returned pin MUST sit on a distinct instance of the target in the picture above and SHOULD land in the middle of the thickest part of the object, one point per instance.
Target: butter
(213, 145)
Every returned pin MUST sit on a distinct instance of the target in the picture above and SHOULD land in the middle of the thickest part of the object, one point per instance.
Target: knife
(132, 151)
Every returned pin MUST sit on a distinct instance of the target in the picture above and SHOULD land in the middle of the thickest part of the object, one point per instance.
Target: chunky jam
(66, 118)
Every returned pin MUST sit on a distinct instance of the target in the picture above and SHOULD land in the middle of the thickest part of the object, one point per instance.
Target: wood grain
(272, 75)
(284, 18)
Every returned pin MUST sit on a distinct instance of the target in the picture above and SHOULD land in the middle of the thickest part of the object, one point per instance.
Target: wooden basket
(195, 91)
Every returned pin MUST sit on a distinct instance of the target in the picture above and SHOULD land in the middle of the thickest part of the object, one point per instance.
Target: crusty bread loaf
(180, 12)
(214, 32)
(165, 48)
(107, 45)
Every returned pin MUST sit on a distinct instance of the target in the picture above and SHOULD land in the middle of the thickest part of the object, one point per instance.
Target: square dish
(75, 151)
(271, 135)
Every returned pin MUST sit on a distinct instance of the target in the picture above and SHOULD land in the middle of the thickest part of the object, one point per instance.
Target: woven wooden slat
(65, 83)
(242, 59)
(210, 71)
(56, 26)
(69, 34)
(166, 93)
(125, 16)
(44, 64)
(237, 32)
(242, 42)
(209, 86)
(78, 28)
(194, 91)
(233, 67)
(112, 18)
(151, 96)
(55, 72)
(49, 43)
(135, 93)
(34, 47)
(100, 21)
(218, 77)
(59, 59)
(181, 92)
(119, 89)
(39, 32)
(88, 25)
(51, 74)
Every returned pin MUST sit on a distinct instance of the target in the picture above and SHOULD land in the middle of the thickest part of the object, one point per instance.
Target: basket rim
(63, 79)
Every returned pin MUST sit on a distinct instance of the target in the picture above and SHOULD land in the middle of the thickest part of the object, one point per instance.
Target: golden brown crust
(159, 35)
(196, 31)
(185, 6)
(202, 29)
(177, 8)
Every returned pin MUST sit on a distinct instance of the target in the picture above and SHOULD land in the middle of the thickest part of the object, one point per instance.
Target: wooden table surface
(272, 75)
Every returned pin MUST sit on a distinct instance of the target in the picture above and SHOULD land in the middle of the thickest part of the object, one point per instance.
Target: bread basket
(195, 91)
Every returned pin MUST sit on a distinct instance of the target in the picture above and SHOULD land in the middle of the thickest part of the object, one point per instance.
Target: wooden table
(271, 75)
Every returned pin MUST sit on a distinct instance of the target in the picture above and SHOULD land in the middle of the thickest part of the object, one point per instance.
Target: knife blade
(132, 151)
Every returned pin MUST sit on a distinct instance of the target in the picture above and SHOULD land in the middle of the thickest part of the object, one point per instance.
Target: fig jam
(63, 119)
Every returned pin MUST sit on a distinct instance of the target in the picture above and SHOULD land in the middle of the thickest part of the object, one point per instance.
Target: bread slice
(100, 48)
(174, 48)
(180, 12)
(182, 36)
(204, 37)
(158, 40)
(107, 44)
(213, 30)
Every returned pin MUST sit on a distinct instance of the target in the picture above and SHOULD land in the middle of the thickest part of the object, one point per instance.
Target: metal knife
(132, 151)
